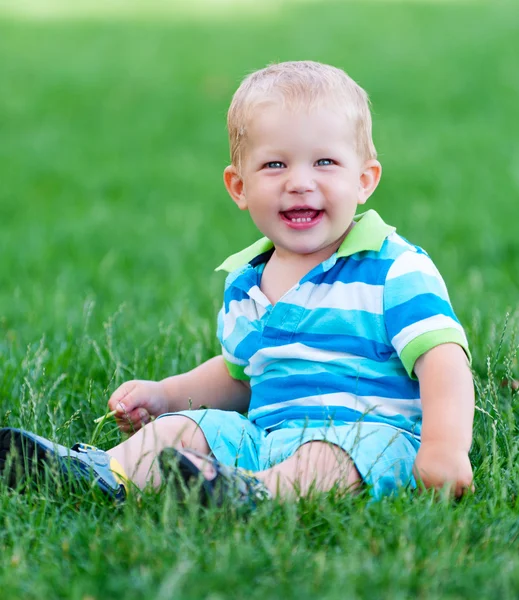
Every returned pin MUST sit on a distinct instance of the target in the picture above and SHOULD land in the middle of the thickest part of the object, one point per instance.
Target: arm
(447, 394)
(208, 384)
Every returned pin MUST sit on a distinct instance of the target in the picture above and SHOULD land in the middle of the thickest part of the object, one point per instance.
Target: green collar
(369, 234)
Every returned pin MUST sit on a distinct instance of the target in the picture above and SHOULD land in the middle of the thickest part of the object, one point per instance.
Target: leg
(138, 454)
(24, 453)
(382, 459)
(314, 466)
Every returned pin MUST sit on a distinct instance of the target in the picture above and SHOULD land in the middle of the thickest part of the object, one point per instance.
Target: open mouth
(301, 215)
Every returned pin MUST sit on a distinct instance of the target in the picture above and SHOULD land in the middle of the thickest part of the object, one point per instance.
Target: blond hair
(300, 84)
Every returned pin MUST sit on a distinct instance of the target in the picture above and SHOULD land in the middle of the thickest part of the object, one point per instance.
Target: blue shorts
(383, 455)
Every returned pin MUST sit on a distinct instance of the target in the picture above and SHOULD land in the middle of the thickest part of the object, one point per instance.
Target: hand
(137, 402)
(440, 465)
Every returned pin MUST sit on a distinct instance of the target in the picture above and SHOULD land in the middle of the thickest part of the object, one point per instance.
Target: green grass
(112, 218)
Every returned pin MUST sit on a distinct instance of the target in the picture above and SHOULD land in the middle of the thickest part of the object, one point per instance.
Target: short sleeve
(235, 366)
(417, 311)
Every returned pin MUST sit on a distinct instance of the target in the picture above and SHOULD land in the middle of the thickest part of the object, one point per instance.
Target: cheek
(260, 191)
(262, 204)
(339, 186)
(260, 209)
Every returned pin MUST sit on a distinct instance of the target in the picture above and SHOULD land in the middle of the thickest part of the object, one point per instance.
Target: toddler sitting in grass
(343, 364)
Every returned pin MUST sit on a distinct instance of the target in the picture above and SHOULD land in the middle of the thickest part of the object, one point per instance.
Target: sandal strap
(238, 485)
(231, 485)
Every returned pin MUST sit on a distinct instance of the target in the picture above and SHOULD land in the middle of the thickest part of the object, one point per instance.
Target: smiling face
(301, 179)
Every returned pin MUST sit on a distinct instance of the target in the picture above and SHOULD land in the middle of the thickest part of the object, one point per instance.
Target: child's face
(301, 179)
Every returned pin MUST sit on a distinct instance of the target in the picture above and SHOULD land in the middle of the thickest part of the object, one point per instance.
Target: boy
(338, 337)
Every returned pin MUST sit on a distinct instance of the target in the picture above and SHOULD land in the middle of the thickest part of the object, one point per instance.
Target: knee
(179, 431)
(319, 449)
(326, 455)
(172, 427)
(330, 464)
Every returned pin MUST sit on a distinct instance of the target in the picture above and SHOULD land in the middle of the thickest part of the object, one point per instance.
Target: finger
(464, 489)
(123, 400)
(134, 420)
(120, 393)
(129, 428)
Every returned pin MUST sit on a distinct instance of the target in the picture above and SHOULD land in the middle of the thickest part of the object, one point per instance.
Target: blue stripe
(348, 270)
(244, 347)
(338, 413)
(417, 249)
(293, 387)
(219, 325)
(345, 343)
(406, 287)
(234, 293)
(419, 308)
(358, 323)
(237, 287)
(245, 340)
(333, 341)
(351, 366)
(390, 251)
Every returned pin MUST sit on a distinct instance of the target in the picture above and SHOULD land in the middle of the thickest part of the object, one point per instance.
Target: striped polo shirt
(342, 343)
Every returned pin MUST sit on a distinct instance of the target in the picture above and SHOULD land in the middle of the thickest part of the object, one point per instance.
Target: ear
(234, 185)
(369, 178)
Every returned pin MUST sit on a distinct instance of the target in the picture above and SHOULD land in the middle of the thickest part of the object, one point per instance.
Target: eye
(324, 162)
(274, 164)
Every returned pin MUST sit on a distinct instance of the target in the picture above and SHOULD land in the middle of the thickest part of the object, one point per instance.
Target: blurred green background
(113, 140)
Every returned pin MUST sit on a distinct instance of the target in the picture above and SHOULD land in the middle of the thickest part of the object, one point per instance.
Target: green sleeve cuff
(420, 345)
(236, 371)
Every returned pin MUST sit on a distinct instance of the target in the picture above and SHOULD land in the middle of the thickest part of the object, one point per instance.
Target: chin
(306, 250)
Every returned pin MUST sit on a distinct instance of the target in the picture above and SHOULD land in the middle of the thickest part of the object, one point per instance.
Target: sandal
(25, 457)
(231, 485)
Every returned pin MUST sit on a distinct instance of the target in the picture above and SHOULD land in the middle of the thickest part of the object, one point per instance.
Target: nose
(300, 181)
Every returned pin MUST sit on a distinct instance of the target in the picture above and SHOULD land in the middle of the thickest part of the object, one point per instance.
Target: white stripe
(232, 359)
(247, 308)
(372, 405)
(339, 295)
(398, 240)
(414, 330)
(261, 359)
(256, 294)
(409, 262)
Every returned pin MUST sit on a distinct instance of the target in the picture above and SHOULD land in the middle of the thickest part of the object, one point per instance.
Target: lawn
(112, 218)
